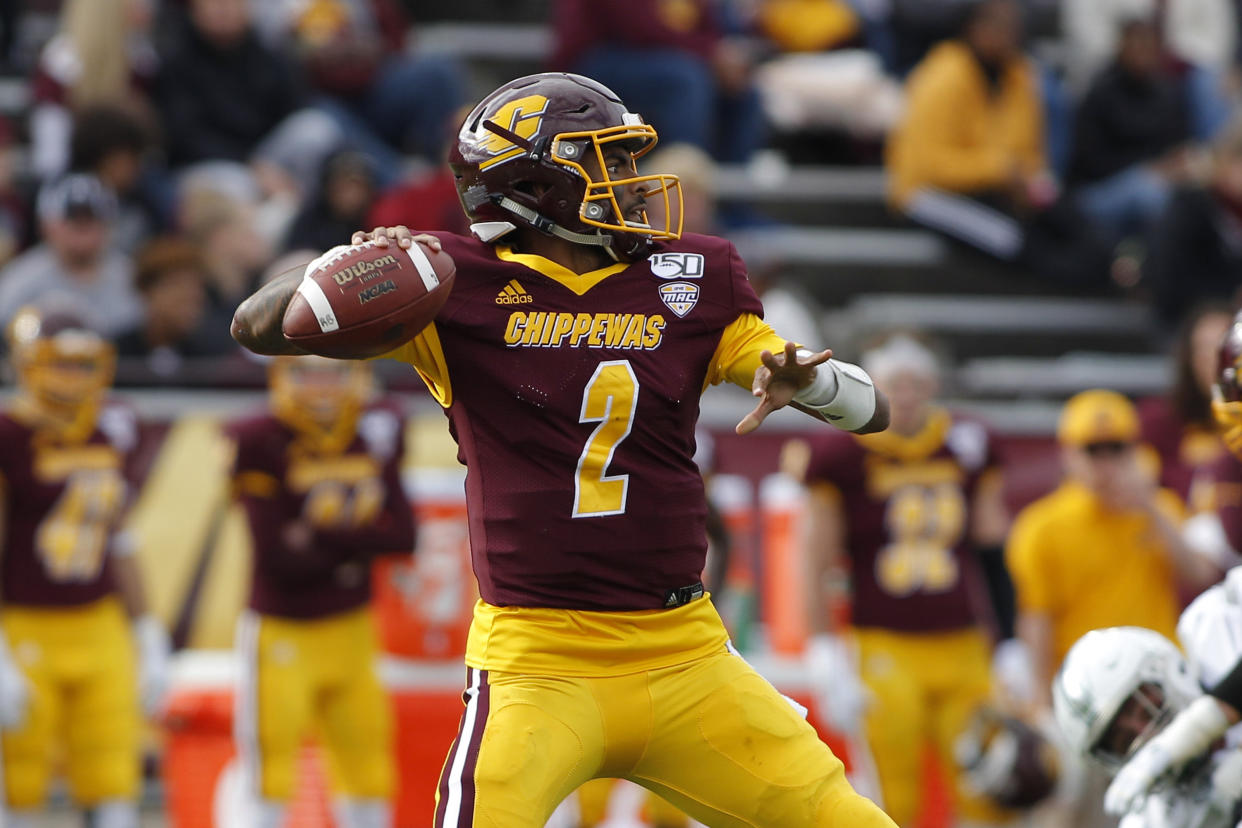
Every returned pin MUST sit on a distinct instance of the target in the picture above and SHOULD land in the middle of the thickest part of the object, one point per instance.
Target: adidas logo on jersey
(514, 294)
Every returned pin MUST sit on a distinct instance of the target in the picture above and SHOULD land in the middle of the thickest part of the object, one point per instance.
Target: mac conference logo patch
(677, 265)
(681, 297)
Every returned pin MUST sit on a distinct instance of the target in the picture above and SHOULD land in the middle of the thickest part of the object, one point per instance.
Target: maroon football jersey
(907, 510)
(62, 505)
(353, 501)
(573, 400)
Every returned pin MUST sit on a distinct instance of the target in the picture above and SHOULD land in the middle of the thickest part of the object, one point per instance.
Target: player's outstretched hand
(399, 235)
(777, 380)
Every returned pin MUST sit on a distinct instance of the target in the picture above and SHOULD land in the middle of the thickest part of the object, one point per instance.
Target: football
(363, 300)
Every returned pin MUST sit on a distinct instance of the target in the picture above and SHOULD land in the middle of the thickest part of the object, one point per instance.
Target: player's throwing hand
(778, 379)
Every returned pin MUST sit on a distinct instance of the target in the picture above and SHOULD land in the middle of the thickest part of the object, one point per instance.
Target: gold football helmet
(63, 368)
(320, 398)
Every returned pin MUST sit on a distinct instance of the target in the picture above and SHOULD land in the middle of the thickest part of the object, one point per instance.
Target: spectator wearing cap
(75, 258)
(169, 275)
(1104, 548)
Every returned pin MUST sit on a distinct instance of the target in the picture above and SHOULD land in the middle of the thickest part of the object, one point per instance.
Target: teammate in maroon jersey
(319, 479)
(594, 650)
(79, 655)
(899, 527)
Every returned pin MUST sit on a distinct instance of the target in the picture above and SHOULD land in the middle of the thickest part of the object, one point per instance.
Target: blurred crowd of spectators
(174, 152)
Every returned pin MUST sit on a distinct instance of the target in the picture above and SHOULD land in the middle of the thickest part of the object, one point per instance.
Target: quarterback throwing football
(594, 649)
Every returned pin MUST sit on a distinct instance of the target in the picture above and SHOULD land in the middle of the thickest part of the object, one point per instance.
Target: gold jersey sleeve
(737, 355)
(426, 354)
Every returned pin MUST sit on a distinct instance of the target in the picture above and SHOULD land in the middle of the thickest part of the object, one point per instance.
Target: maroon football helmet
(1006, 760)
(532, 153)
(1227, 392)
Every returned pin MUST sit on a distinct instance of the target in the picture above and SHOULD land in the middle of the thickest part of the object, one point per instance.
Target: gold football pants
(313, 677)
(711, 736)
(83, 710)
(924, 688)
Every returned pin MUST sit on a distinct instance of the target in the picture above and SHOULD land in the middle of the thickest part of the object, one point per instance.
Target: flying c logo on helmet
(520, 116)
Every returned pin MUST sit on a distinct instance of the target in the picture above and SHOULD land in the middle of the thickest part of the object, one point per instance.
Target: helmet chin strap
(546, 225)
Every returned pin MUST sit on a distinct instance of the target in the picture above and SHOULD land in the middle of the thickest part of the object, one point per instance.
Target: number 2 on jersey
(610, 399)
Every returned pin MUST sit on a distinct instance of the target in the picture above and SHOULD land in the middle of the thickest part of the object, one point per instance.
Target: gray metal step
(769, 180)
(1013, 376)
(1003, 314)
(822, 246)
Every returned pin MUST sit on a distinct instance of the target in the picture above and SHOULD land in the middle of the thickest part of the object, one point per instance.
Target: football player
(594, 649)
(1124, 693)
(319, 479)
(899, 517)
(80, 657)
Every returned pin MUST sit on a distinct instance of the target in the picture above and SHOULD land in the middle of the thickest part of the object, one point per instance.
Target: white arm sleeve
(844, 395)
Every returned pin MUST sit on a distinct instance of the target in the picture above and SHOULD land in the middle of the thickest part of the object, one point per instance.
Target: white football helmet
(1102, 671)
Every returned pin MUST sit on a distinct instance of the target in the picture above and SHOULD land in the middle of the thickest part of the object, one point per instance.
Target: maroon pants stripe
(456, 806)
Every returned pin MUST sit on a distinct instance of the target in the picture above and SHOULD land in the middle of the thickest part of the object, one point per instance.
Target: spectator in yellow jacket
(968, 157)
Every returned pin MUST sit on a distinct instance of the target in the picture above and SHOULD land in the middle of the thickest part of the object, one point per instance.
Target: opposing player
(319, 479)
(1219, 657)
(1117, 695)
(80, 657)
(594, 650)
(902, 517)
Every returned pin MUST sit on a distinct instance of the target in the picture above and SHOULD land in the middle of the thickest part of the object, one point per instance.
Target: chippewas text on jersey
(592, 330)
(573, 399)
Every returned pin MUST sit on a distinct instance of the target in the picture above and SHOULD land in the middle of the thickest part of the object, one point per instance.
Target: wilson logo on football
(677, 265)
(681, 297)
(364, 270)
(514, 294)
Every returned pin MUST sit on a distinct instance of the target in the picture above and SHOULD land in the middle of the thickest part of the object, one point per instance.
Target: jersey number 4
(610, 399)
(72, 539)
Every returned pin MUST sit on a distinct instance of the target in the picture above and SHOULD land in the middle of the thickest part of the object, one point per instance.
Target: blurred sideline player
(594, 650)
(80, 658)
(897, 525)
(319, 480)
(1119, 691)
